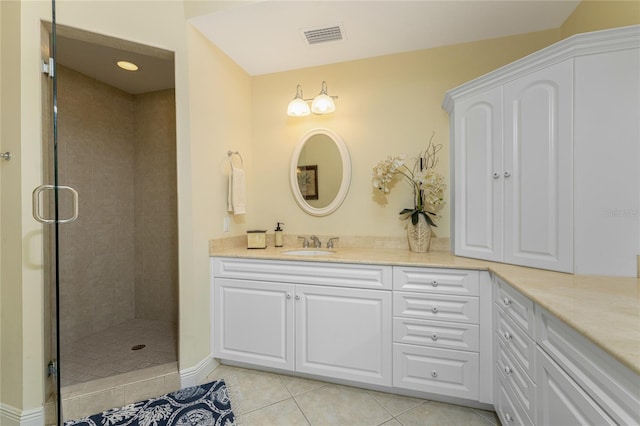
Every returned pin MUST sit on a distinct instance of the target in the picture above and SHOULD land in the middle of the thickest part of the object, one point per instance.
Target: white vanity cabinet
(538, 144)
(332, 320)
(548, 374)
(437, 332)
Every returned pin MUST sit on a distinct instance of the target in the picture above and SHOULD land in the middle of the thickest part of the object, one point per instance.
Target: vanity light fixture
(321, 104)
(298, 106)
(126, 65)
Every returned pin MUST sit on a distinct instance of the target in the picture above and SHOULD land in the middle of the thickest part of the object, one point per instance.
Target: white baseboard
(11, 416)
(194, 376)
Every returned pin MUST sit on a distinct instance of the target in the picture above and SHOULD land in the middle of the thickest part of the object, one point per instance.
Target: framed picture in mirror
(308, 181)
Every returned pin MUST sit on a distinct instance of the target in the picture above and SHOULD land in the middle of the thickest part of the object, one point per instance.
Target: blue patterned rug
(204, 405)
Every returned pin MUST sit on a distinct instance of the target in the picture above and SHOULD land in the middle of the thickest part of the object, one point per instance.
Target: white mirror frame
(346, 174)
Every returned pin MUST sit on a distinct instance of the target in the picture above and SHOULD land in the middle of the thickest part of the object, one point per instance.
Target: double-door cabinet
(409, 328)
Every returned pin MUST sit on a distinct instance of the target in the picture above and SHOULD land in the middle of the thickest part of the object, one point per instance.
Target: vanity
(539, 347)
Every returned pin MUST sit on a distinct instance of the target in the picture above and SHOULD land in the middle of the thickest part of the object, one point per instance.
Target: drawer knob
(288, 295)
(434, 337)
(434, 310)
(507, 370)
(508, 417)
(434, 373)
(506, 301)
(507, 336)
(434, 283)
(297, 297)
(496, 175)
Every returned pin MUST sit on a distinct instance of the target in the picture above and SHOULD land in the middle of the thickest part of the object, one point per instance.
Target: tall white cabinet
(544, 158)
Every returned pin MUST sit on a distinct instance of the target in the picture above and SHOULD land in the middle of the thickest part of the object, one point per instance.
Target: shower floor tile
(109, 352)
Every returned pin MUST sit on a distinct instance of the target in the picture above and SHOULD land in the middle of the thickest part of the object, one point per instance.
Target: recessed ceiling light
(129, 66)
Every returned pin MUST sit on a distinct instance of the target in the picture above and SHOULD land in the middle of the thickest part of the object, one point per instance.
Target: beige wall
(220, 110)
(387, 105)
(598, 15)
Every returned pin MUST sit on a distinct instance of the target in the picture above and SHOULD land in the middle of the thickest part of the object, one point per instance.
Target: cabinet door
(538, 169)
(478, 201)
(254, 322)
(344, 333)
(561, 401)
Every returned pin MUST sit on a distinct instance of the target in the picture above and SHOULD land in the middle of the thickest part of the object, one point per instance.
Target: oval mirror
(320, 172)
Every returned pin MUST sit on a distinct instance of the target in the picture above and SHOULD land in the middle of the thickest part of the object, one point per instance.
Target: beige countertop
(604, 309)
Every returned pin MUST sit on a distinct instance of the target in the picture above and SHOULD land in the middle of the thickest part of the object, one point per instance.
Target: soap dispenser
(279, 238)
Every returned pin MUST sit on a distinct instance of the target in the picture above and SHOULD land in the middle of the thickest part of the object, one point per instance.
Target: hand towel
(236, 200)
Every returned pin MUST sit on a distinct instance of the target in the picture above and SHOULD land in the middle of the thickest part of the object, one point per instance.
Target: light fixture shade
(323, 104)
(298, 108)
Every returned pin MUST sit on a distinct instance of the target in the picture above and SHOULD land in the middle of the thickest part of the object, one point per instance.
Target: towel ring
(230, 154)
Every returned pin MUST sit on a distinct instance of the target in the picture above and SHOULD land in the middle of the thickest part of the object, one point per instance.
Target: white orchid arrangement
(428, 185)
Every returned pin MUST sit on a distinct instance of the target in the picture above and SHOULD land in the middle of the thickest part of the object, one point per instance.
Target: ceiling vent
(323, 34)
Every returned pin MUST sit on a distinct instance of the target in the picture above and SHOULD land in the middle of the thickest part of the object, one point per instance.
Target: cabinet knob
(297, 297)
(288, 295)
(434, 337)
(434, 310)
(496, 175)
(509, 417)
(507, 335)
(434, 373)
(507, 370)
(507, 174)
(434, 283)
(506, 301)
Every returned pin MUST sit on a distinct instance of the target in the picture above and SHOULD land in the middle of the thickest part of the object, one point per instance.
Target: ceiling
(265, 36)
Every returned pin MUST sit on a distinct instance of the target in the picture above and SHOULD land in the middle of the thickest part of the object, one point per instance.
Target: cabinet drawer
(515, 340)
(450, 281)
(562, 401)
(436, 306)
(508, 408)
(441, 371)
(440, 334)
(521, 384)
(516, 305)
(318, 273)
(614, 387)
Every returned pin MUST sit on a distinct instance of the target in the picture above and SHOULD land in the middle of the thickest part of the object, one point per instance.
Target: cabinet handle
(434, 283)
(496, 175)
(297, 297)
(507, 174)
(288, 295)
(508, 417)
(434, 373)
(507, 370)
(434, 310)
(507, 336)
(506, 301)
(434, 337)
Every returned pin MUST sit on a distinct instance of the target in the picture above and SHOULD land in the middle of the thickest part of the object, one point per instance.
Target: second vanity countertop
(604, 309)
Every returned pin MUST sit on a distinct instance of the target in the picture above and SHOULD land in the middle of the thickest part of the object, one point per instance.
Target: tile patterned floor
(108, 353)
(264, 399)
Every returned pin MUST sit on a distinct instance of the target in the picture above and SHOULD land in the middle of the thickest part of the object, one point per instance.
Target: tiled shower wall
(112, 146)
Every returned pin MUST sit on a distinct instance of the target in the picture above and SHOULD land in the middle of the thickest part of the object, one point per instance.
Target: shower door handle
(36, 203)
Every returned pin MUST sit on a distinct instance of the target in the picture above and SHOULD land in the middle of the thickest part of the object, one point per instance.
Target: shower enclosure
(113, 271)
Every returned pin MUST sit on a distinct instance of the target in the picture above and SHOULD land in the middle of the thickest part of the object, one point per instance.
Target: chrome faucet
(316, 241)
(330, 242)
(305, 242)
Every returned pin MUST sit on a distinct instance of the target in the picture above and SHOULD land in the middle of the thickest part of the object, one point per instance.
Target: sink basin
(309, 252)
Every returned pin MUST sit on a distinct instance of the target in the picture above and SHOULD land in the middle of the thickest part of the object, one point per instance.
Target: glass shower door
(53, 205)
